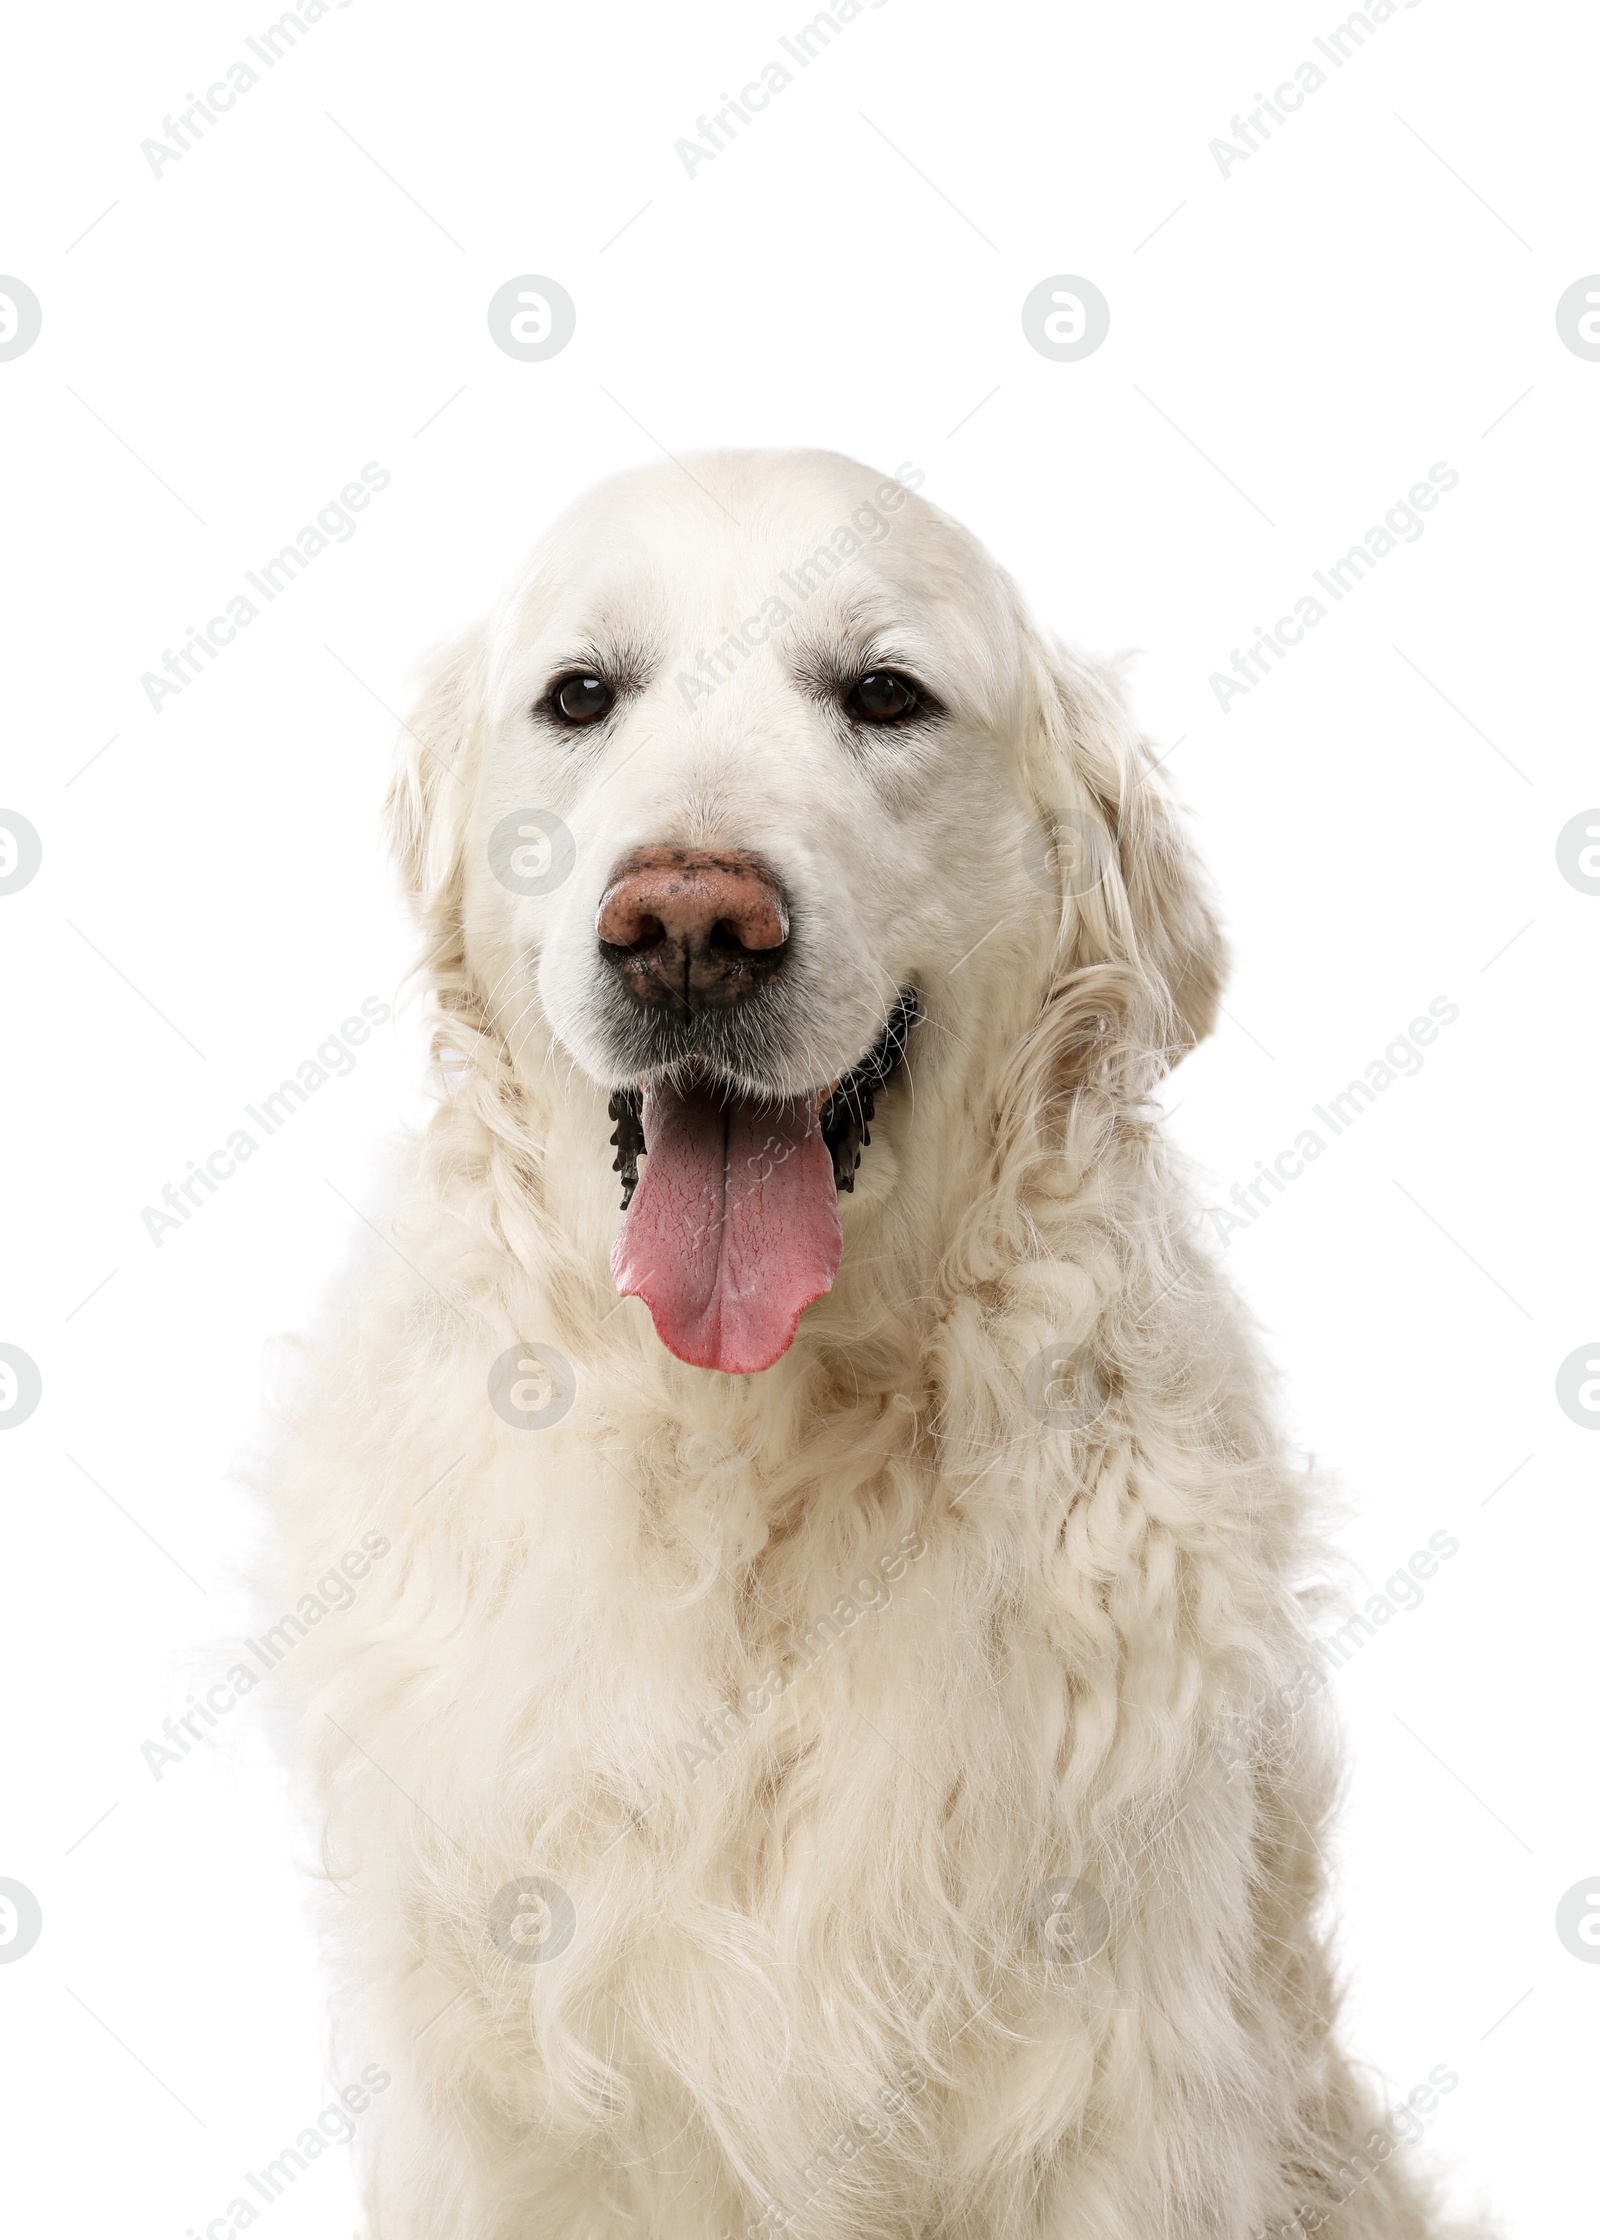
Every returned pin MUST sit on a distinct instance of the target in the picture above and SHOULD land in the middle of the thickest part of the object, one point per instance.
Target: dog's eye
(881, 696)
(583, 698)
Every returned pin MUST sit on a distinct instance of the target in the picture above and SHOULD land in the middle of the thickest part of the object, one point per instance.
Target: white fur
(814, 1947)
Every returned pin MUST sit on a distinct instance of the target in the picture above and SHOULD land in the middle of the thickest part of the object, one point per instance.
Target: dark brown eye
(881, 697)
(584, 698)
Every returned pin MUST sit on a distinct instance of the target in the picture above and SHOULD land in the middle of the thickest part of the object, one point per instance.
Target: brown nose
(693, 930)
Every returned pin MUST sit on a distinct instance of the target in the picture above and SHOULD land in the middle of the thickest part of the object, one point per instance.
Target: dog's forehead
(698, 545)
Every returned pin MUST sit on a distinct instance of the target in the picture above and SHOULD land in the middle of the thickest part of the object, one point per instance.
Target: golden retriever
(819, 1750)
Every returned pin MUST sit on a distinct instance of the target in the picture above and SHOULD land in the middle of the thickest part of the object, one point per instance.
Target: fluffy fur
(811, 1984)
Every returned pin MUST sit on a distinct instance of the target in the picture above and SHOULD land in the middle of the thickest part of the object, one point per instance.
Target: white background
(305, 291)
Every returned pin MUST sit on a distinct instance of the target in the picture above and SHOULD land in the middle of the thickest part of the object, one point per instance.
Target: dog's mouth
(733, 1229)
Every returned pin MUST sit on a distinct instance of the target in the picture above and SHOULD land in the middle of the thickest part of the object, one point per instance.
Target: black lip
(848, 1110)
(845, 1115)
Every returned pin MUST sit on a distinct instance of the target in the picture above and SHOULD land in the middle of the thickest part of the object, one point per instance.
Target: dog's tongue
(733, 1230)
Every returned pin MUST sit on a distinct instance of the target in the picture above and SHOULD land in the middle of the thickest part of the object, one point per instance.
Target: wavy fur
(806, 1988)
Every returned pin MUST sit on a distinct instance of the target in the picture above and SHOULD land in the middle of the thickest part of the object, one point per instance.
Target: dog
(821, 1741)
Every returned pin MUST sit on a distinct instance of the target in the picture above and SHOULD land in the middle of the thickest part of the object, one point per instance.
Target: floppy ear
(1139, 922)
(431, 791)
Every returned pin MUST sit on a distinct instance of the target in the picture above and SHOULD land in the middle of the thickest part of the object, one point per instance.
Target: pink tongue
(733, 1230)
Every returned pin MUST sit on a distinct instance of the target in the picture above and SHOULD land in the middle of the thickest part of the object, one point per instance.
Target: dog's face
(740, 818)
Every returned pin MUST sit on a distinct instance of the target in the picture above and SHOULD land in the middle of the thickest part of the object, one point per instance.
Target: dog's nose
(691, 929)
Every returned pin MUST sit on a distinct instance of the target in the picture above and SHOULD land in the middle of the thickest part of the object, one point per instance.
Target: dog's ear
(431, 792)
(1139, 916)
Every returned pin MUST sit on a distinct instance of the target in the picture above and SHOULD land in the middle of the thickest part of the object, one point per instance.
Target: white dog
(822, 1745)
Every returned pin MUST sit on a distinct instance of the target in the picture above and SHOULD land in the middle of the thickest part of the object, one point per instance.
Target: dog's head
(760, 812)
